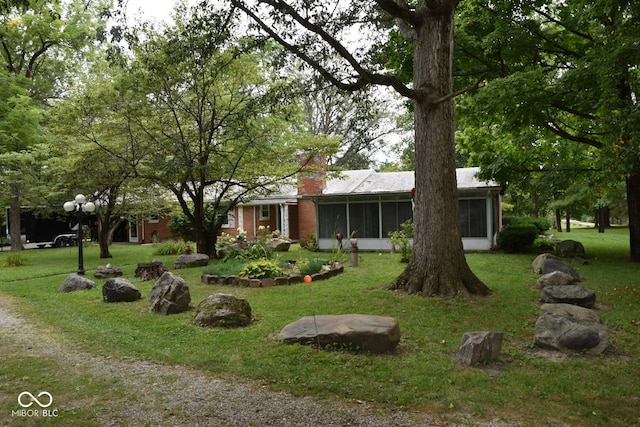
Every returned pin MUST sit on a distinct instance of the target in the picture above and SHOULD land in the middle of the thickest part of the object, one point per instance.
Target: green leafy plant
(400, 240)
(228, 267)
(15, 260)
(262, 269)
(170, 247)
(310, 266)
(310, 243)
(517, 238)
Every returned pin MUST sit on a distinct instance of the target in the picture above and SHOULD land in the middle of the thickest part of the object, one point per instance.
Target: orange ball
(307, 279)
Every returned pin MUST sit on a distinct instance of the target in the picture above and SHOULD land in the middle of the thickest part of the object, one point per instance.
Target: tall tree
(39, 42)
(318, 32)
(221, 127)
(94, 130)
(559, 72)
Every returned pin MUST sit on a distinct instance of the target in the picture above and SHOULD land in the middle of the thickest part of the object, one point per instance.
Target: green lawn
(421, 376)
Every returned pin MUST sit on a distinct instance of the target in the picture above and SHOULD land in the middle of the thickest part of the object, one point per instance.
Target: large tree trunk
(633, 203)
(438, 265)
(14, 220)
(104, 234)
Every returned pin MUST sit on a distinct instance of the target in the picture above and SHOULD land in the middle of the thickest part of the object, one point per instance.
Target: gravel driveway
(179, 396)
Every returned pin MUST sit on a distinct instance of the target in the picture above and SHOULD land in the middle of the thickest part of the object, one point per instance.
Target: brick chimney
(312, 178)
(311, 181)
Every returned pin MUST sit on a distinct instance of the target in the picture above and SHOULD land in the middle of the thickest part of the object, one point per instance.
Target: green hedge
(517, 237)
(541, 224)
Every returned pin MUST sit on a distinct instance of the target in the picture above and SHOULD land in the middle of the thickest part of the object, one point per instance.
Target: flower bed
(213, 279)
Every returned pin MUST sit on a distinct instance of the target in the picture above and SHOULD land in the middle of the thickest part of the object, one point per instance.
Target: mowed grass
(422, 375)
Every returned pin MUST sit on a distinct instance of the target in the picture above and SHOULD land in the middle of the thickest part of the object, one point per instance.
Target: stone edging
(213, 279)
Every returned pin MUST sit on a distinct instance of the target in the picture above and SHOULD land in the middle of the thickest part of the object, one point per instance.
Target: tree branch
(471, 88)
(364, 77)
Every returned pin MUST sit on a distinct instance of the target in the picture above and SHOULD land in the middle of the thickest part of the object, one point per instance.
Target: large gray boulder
(75, 282)
(480, 347)
(120, 290)
(223, 310)
(570, 294)
(169, 295)
(570, 329)
(191, 260)
(551, 265)
(569, 249)
(365, 332)
(537, 263)
(555, 278)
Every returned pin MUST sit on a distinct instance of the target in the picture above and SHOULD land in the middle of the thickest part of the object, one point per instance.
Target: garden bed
(213, 279)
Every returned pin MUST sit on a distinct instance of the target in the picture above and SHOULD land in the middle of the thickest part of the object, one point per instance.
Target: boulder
(570, 294)
(376, 334)
(120, 290)
(569, 249)
(240, 245)
(480, 348)
(223, 310)
(107, 271)
(537, 263)
(570, 329)
(555, 278)
(191, 260)
(552, 264)
(169, 295)
(75, 282)
(150, 270)
(278, 245)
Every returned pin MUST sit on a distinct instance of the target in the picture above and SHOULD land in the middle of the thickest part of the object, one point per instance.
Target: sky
(151, 9)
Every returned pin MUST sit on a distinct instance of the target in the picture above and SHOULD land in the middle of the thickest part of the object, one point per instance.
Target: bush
(262, 269)
(309, 243)
(229, 267)
(15, 260)
(541, 224)
(517, 237)
(170, 247)
(310, 266)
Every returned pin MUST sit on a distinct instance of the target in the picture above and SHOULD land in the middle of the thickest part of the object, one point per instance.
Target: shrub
(517, 237)
(400, 240)
(262, 269)
(310, 243)
(15, 260)
(170, 247)
(310, 266)
(228, 267)
(541, 224)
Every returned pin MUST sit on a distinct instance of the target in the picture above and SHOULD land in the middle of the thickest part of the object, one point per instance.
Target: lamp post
(80, 205)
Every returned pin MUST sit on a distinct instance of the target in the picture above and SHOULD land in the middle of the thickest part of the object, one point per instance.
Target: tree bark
(15, 226)
(438, 265)
(558, 220)
(633, 204)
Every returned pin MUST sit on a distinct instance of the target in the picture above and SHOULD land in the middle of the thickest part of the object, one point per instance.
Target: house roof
(372, 182)
(368, 181)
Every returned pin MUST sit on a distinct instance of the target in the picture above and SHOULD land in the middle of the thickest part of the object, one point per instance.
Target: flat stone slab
(376, 334)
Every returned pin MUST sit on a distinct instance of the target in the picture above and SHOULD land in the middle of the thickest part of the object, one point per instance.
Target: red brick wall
(306, 218)
(161, 229)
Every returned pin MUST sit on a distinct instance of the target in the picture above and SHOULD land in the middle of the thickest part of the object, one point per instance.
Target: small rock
(192, 260)
(120, 290)
(223, 310)
(169, 295)
(75, 282)
(555, 278)
(569, 294)
(480, 348)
